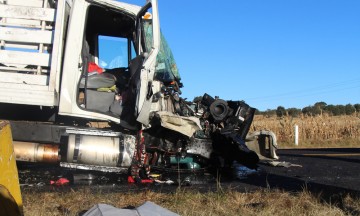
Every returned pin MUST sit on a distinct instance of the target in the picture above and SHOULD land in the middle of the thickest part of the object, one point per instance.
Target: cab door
(75, 66)
(144, 86)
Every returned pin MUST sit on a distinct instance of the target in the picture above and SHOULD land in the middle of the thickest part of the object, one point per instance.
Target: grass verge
(186, 202)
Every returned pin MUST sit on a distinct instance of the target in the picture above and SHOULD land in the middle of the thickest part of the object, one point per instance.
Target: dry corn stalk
(312, 129)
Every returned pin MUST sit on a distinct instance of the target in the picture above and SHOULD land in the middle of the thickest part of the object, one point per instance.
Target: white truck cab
(51, 56)
(91, 23)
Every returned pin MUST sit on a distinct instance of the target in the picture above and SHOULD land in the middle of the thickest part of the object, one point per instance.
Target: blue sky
(270, 53)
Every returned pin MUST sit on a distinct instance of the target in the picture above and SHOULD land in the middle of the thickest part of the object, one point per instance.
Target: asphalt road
(331, 173)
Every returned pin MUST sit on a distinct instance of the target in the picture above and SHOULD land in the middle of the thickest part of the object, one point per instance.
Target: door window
(113, 52)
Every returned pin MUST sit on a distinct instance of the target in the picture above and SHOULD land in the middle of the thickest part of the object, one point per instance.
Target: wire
(311, 91)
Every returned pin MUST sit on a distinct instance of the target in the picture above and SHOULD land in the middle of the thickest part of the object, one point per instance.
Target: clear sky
(270, 53)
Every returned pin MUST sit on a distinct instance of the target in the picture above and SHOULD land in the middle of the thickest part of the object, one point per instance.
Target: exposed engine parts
(219, 129)
(227, 124)
(206, 133)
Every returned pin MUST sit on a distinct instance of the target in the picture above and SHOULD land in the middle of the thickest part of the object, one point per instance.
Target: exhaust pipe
(36, 152)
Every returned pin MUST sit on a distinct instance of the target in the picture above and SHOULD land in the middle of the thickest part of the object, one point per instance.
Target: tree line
(318, 108)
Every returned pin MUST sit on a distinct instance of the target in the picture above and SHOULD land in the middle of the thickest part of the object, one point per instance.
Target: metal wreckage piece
(208, 132)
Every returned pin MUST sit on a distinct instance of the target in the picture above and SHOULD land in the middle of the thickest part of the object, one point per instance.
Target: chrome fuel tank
(110, 151)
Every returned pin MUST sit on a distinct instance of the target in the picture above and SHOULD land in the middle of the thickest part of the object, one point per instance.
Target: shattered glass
(166, 68)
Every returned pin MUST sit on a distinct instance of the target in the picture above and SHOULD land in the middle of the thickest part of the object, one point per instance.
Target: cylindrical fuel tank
(36, 152)
(95, 150)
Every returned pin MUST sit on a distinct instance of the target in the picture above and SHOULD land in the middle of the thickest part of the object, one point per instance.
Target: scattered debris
(168, 182)
(146, 209)
(139, 180)
(242, 172)
(41, 184)
(281, 164)
(60, 182)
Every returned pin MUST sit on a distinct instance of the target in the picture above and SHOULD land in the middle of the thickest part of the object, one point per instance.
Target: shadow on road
(328, 193)
(347, 154)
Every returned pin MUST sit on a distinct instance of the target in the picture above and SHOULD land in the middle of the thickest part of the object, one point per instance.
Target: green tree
(339, 110)
(349, 109)
(318, 108)
(280, 111)
(357, 107)
(307, 110)
(293, 112)
(330, 109)
(321, 105)
(270, 112)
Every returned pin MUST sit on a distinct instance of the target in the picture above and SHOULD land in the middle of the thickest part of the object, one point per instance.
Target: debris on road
(281, 164)
(60, 182)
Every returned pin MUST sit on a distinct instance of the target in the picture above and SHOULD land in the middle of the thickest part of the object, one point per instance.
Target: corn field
(314, 131)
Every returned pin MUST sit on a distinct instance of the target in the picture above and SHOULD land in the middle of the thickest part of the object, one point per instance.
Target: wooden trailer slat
(31, 3)
(24, 23)
(32, 13)
(21, 78)
(25, 58)
(19, 45)
(26, 35)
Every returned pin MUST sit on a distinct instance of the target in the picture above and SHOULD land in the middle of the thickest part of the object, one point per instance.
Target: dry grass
(318, 131)
(183, 202)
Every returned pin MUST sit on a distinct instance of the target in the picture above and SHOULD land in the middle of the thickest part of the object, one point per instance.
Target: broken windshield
(166, 68)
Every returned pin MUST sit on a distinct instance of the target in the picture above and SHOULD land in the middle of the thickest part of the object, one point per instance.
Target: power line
(333, 87)
(305, 95)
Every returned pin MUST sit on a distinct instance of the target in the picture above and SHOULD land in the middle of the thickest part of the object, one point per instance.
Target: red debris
(145, 181)
(131, 179)
(138, 180)
(60, 181)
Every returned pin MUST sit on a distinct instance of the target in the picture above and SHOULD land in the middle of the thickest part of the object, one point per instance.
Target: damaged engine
(220, 130)
(207, 133)
(227, 124)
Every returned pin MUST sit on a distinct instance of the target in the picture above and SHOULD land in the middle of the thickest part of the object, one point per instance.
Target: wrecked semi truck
(68, 106)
